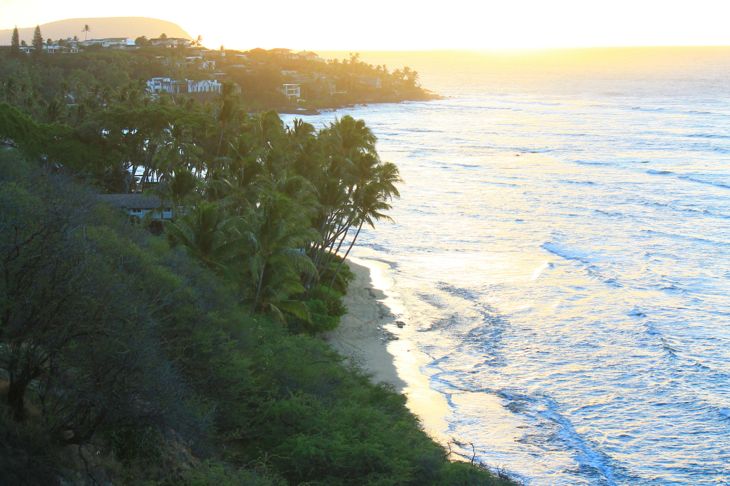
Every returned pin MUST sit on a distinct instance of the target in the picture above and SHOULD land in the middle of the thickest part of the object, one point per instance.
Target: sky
(411, 25)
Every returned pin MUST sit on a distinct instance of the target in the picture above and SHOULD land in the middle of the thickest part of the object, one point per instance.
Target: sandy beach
(361, 335)
(376, 337)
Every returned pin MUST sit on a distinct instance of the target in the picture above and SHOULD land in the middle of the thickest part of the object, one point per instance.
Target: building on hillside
(171, 42)
(165, 85)
(175, 86)
(53, 48)
(139, 206)
(110, 43)
(292, 91)
(204, 86)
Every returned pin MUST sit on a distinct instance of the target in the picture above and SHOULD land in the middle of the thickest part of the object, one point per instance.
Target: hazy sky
(407, 24)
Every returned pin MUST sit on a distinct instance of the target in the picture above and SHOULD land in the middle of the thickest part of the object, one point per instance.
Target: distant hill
(100, 27)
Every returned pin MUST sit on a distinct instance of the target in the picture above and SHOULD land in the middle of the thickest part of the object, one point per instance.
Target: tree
(86, 31)
(279, 222)
(208, 234)
(15, 43)
(141, 41)
(37, 42)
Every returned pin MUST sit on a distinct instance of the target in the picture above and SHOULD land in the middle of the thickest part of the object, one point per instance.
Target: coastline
(361, 336)
(375, 336)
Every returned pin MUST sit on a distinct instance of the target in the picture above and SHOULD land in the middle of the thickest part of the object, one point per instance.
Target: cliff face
(99, 28)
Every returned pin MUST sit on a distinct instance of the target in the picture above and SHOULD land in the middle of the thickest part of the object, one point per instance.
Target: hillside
(100, 27)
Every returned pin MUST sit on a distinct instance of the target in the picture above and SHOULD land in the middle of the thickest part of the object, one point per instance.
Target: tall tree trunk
(258, 288)
(352, 243)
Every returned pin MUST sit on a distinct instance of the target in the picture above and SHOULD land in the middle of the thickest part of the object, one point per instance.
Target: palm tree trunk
(352, 243)
(258, 289)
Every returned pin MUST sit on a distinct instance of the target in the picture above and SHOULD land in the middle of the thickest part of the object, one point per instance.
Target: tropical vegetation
(193, 356)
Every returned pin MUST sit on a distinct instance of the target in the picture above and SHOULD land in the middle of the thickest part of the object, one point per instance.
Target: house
(204, 86)
(139, 206)
(165, 85)
(174, 86)
(110, 43)
(171, 42)
(52, 48)
(292, 91)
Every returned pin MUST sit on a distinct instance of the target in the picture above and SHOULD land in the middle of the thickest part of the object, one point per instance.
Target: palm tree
(371, 201)
(279, 222)
(209, 235)
(86, 31)
(350, 146)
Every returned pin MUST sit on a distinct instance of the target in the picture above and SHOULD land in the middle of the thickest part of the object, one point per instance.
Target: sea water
(561, 251)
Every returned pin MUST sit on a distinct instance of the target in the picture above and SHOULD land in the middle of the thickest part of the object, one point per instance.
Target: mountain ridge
(100, 27)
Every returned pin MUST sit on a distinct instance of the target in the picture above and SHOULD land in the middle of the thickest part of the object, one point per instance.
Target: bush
(27, 455)
(211, 473)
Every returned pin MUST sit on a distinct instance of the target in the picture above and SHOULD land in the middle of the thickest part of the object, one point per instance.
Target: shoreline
(374, 335)
(361, 336)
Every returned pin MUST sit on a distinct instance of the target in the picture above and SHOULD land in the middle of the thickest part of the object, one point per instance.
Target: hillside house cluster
(68, 46)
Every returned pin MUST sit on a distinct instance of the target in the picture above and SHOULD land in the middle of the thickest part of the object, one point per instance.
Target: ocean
(561, 258)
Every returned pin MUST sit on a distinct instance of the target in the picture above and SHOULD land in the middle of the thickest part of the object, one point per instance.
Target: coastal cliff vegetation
(141, 349)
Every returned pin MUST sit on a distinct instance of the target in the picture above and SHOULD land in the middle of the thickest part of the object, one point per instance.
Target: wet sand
(361, 336)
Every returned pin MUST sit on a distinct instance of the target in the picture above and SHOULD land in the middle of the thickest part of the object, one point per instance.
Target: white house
(208, 65)
(171, 42)
(52, 48)
(174, 86)
(292, 91)
(163, 85)
(205, 86)
(110, 42)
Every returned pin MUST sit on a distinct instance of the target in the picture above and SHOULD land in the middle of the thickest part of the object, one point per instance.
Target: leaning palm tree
(372, 200)
(349, 146)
